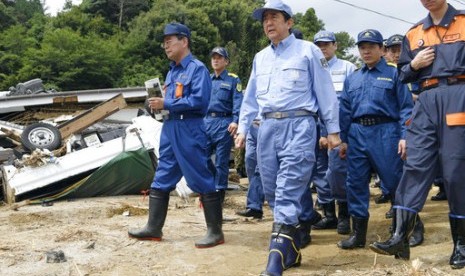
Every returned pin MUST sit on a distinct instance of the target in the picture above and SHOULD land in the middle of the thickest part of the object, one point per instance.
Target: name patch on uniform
(340, 72)
(384, 79)
(225, 85)
(183, 77)
(451, 37)
(324, 63)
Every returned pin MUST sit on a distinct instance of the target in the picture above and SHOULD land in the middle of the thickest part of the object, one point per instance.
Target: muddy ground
(92, 234)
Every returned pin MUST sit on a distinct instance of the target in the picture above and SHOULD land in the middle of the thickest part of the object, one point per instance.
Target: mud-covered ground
(92, 234)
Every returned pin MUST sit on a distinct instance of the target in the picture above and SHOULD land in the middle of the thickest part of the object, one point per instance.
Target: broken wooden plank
(91, 116)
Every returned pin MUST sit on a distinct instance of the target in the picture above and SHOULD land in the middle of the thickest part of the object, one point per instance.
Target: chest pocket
(263, 79)
(382, 91)
(294, 77)
(185, 82)
(224, 92)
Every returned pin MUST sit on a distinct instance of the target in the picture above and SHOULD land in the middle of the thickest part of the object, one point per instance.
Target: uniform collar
(222, 76)
(446, 20)
(332, 61)
(283, 44)
(379, 66)
(184, 62)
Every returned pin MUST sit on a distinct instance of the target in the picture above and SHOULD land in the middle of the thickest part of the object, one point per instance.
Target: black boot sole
(201, 246)
(398, 255)
(145, 238)
(457, 266)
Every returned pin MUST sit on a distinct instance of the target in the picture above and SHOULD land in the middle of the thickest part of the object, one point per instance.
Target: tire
(41, 136)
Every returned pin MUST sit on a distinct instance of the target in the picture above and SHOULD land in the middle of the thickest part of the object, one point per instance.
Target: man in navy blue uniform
(255, 195)
(222, 115)
(331, 185)
(393, 49)
(183, 142)
(432, 54)
(288, 84)
(374, 107)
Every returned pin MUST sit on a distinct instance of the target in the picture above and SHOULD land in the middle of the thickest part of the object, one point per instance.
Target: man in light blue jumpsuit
(255, 195)
(288, 84)
(374, 107)
(334, 180)
(222, 115)
(183, 141)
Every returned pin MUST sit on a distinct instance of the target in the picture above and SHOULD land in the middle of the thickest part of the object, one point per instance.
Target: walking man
(183, 142)
(432, 53)
(288, 84)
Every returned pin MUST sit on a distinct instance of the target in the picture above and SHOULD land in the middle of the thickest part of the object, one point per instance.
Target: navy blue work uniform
(255, 195)
(433, 54)
(183, 142)
(435, 137)
(224, 107)
(374, 107)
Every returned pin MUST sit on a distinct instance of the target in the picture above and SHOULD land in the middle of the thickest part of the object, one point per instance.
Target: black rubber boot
(398, 243)
(390, 213)
(457, 228)
(329, 221)
(213, 212)
(158, 208)
(284, 253)
(303, 231)
(383, 199)
(418, 233)
(222, 196)
(343, 220)
(359, 234)
(441, 195)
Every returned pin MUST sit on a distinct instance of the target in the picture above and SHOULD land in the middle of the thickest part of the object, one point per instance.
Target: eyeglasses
(168, 43)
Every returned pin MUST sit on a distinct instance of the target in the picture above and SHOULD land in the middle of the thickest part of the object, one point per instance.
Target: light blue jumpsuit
(337, 168)
(292, 76)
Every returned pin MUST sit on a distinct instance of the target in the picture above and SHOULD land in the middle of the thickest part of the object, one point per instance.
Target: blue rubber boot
(283, 251)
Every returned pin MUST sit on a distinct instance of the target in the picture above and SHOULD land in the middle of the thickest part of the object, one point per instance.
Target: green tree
(118, 12)
(308, 23)
(7, 17)
(344, 44)
(70, 61)
(142, 44)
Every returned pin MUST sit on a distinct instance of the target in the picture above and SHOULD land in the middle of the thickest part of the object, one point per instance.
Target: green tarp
(129, 172)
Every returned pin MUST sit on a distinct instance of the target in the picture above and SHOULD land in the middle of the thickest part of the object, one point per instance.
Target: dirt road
(92, 234)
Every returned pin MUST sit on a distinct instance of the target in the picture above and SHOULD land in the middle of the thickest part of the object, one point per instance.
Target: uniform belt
(288, 114)
(372, 120)
(435, 82)
(181, 116)
(219, 114)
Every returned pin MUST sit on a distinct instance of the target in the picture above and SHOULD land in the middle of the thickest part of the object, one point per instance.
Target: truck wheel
(41, 136)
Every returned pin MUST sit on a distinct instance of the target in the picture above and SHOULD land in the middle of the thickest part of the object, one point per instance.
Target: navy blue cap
(394, 40)
(220, 51)
(276, 5)
(370, 35)
(324, 36)
(297, 33)
(176, 29)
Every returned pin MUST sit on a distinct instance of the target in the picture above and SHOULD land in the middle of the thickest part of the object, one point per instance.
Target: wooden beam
(91, 116)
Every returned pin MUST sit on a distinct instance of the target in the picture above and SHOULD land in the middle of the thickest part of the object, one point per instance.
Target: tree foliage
(117, 43)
